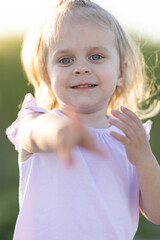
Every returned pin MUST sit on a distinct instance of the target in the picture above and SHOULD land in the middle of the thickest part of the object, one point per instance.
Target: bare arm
(50, 133)
(37, 132)
(148, 174)
(140, 155)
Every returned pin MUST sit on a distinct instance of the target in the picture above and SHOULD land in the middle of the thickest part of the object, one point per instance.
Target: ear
(122, 74)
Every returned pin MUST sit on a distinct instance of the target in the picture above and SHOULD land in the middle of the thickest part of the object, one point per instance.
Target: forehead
(84, 32)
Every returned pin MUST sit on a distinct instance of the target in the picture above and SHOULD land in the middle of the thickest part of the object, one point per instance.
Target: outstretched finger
(124, 118)
(131, 115)
(65, 155)
(89, 143)
(74, 116)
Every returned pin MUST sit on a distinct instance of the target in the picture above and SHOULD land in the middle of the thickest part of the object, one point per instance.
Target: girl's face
(84, 67)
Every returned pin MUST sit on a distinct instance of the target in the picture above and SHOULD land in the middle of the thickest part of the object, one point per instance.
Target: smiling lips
(84, 86)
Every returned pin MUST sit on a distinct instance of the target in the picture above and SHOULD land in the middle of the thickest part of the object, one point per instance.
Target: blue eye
(95, 57)
(66, 60)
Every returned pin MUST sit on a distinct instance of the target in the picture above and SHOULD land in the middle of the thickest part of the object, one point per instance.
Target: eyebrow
(98, 48)
(89, 49)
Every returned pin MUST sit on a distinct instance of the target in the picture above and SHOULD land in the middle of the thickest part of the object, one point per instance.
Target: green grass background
(13, 87)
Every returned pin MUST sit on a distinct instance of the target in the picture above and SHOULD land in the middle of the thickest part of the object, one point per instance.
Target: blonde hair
(135, 93)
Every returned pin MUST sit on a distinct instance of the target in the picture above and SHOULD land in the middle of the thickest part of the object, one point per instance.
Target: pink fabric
(95, 199)
(147, 126)
(29, 105)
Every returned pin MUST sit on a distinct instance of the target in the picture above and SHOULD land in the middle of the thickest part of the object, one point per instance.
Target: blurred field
(13, 87)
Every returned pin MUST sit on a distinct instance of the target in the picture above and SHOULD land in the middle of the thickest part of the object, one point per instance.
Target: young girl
(83, 175)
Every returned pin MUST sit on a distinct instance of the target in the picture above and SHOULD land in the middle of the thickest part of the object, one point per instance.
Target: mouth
(84, 86)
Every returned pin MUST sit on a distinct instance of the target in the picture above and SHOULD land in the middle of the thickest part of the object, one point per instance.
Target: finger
(124, 118)
(128, 131)
(74, 116)
(119, 137)
(90, 144)
(99, 151)
(68, 159)
(65, 155)
(132, 115)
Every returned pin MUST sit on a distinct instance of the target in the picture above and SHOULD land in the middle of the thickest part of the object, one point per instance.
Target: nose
(82, 70)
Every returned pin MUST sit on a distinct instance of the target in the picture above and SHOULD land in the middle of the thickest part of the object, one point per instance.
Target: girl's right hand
(74, 134)
(50, 133)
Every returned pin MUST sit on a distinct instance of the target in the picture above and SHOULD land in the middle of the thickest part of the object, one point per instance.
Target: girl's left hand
(135, 139)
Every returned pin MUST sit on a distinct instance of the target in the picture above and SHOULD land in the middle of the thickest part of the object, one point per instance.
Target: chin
(85, 109)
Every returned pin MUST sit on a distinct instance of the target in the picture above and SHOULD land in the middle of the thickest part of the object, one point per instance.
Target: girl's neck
(94, 119)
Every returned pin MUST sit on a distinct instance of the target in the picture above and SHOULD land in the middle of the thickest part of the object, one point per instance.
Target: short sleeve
(147, 126)
(29, 105)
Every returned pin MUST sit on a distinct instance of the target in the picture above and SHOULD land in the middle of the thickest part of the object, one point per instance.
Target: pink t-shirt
(97, 198)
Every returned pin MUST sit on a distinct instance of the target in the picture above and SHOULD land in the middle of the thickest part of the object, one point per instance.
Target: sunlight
(141, 17)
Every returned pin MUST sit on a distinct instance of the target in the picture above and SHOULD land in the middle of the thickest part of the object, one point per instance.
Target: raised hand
(134, 139)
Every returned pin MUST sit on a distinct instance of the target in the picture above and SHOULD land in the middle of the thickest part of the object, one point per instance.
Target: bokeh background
(139, 18)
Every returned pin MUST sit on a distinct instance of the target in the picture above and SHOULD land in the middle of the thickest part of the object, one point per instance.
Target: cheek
(109, 75)
(58, 88)
(110, 80)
